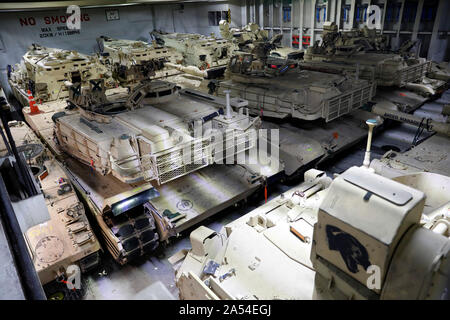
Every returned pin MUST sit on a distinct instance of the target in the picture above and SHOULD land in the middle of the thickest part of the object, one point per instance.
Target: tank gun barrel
(431, 125)
(189, 70)
(195, 71)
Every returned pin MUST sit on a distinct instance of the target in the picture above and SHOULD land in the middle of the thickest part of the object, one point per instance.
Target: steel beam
(434, 36)
(417, 20)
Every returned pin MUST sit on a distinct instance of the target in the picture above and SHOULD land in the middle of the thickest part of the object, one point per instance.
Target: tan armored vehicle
(43, 72)
(278, 88)
(123, 54)
(353, 52)
(373, 41)
(115, 204)
(66, 239)
(126, 141)
(203, 52)
(370, 39)
(135, 142)
(359, 236)
(243, 40)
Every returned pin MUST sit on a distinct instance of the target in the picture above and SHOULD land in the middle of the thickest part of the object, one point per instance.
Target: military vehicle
(122, 140)
(43, 72)
(66, 239)
(278, 88)
(370, 39)
(203, 52)
(244, 37)
(151, 142)
(320, 248)
(358, 54)
(373, 41)
(123, 54)
(134, 142)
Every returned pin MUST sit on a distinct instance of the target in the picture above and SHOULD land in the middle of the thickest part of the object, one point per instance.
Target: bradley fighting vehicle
(63, 242)
(203, 52)
(359, 236)
(43, 72)
(278, 88)
(122, 55)
(244, 37)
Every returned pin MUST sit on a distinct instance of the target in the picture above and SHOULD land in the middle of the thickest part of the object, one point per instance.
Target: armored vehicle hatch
(156, 141)
(311, 234)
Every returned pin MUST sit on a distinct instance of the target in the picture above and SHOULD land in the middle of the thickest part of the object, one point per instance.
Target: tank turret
(360, 236)
(365, 53)
(119, 144)
(244, 38)
(198, 50)
(278, 88)
(133, 140)
(125, 55)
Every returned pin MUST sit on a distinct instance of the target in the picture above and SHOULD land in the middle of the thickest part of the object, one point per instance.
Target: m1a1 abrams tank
(128, 230)
(122, 55)
(124, 143)
(278, 88)
(375, 42)
(134, 142)
(43, 72)
(358, 54)
(244, 37)
(203, 52)
(359, 236)
(65, 240)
